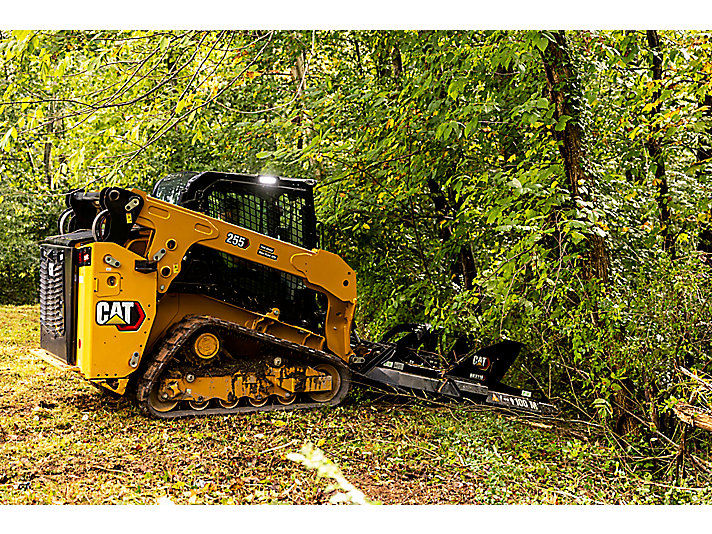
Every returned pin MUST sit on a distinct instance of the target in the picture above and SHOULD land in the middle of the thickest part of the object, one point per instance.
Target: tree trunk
(562, 81)
(396, 61)
(462, 261)
(655, 149)
(704, 149)
(704, 157)
(299, 79)
(47, 157)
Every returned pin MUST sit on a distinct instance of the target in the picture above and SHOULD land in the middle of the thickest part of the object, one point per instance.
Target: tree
(655, 149)
(565, 94)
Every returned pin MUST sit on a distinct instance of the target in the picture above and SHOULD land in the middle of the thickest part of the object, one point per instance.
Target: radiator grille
(52, 291)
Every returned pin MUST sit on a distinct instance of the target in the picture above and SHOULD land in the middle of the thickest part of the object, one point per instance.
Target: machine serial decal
(237, 240)
(126, 316)
(516, 402)
(267, 252)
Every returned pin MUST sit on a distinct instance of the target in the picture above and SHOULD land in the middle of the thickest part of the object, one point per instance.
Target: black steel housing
(58, 295)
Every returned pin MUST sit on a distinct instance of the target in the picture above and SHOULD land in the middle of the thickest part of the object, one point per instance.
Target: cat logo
(483, 362)
(126, 316)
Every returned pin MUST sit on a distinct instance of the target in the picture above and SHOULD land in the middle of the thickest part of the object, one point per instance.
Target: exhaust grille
(52, 291)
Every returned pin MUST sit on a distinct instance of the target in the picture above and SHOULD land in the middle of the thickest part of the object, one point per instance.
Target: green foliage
(25, 219)
(440, 178)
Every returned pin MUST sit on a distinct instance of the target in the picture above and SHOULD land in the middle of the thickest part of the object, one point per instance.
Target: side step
(458, 388)
(53, 360)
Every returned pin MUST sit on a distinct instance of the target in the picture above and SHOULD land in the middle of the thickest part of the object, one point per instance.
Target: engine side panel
(116, 312)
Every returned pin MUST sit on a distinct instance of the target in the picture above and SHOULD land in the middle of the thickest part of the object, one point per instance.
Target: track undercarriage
(208, 366)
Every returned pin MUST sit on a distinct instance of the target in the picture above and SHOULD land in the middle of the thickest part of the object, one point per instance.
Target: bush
(616, 354)
(25, 219)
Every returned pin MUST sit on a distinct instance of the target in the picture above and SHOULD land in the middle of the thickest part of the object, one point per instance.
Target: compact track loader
(210, 296)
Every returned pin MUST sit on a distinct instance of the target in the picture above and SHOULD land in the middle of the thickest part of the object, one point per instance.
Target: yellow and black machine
(210, 296)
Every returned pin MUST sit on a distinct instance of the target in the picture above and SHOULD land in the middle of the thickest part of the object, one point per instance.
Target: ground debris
(64, 442)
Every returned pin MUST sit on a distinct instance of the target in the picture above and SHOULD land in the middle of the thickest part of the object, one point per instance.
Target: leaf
(541, 41)
(471, 126)
(456, 87)
(164, 42)
(134, 134)
(21, 35)
(61, 67)
(6, 139)
(263, 154)
(561, 124)
(577, 237)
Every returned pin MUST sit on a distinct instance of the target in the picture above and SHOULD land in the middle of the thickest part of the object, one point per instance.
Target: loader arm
(175, 229)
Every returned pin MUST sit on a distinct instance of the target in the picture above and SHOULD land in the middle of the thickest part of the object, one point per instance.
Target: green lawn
(62, 441)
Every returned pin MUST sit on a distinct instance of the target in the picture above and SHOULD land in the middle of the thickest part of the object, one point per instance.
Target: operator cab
(282, 208)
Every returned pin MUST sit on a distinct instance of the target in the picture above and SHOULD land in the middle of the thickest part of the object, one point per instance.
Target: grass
(63, 442)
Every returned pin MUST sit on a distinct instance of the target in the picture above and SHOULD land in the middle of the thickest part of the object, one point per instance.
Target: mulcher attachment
(410, 359)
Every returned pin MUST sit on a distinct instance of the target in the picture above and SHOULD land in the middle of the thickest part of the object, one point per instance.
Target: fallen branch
(693, 415)
(692, 375)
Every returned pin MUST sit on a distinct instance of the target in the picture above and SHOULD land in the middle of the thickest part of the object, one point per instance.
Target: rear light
(84, 257)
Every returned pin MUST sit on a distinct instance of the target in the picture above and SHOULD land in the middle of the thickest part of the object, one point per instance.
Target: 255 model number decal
(237, 240)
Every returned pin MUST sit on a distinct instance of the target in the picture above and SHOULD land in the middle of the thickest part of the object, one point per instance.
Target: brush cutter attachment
(417, 359)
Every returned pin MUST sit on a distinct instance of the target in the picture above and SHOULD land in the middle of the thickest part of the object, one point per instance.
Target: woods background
(548, 187)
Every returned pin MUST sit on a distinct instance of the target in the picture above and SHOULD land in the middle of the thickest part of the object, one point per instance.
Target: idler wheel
(206, 345)
(326, 396)
(158, 404)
